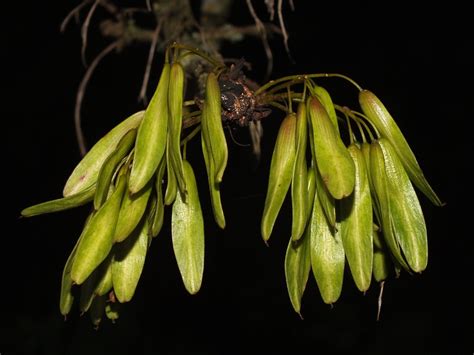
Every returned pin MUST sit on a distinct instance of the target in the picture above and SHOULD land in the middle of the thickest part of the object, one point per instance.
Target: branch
(84, 29)
(282, 26)
(80, 94)
(263, 34)
(142, 96)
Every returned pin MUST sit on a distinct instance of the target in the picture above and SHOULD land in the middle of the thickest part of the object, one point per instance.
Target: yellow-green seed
(327, 255)
(98, 235)
(331, 156)
(281, 172)
(187, 231)
(61, 204)
(127, 264)
(299, 183)
(175, 101)
(214, 187)
(86, 172)
(211, 121)
(357, 224)
(150, 145)
(374, 109)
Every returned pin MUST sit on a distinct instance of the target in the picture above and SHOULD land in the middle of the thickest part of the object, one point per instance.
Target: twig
(380, 300)
(111, 8)
(256, 133)
(146, 77)
(80, 95)
(235, 141)
(270, 8)
(72, 13)
(84, 28)
(148, 5)
(229, 32)
(282, 26)
(263, 33)
(292, 5)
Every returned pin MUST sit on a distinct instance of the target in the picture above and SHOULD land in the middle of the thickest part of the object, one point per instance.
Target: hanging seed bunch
(355, 202)
(351, 202)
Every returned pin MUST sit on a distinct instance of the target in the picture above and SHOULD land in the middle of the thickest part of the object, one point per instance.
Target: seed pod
(325, 198)
(326, 101)
(86, 172)
(333, 160)
(357, 224)
(66, 298)
(382, 197)
(327, 256)
(281, 171)
(97, 284)
(211, 121)
(365, 148)
(299, 183)
(112, 311)
(87, 292)
(311, 190)
(381, 263)
(187, 231)
(97, 310)
(171, 183)
(297, 267)
(105, 283)
(408, 223)
(156, 222)
(214, 187)
(298, 256)
(175, 101)
(98, 235)
(110, 166)
(387, 127)
(151, 137)
(131, 212)
(128, 260)
(61, 204)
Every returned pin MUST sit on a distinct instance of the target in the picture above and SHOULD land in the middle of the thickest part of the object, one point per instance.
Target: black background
(415, 60)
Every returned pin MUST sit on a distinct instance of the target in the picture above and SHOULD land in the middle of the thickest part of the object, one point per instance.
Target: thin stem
(290, 105)
(278, 105)
(263, 35)
(365, 119)
(349, 127)
(278, 81)
(74, 12)
(80, 94)
(358, 121)
(191, 121)
(306, 76)
(189, 103)
(361, 130)
(267, 99)
(282, 26)
(146, 77)
(347, 111)
(197, 52)
(84, 28)
(190, 136)
(379, 303)
(285, 85)
(311, 86)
